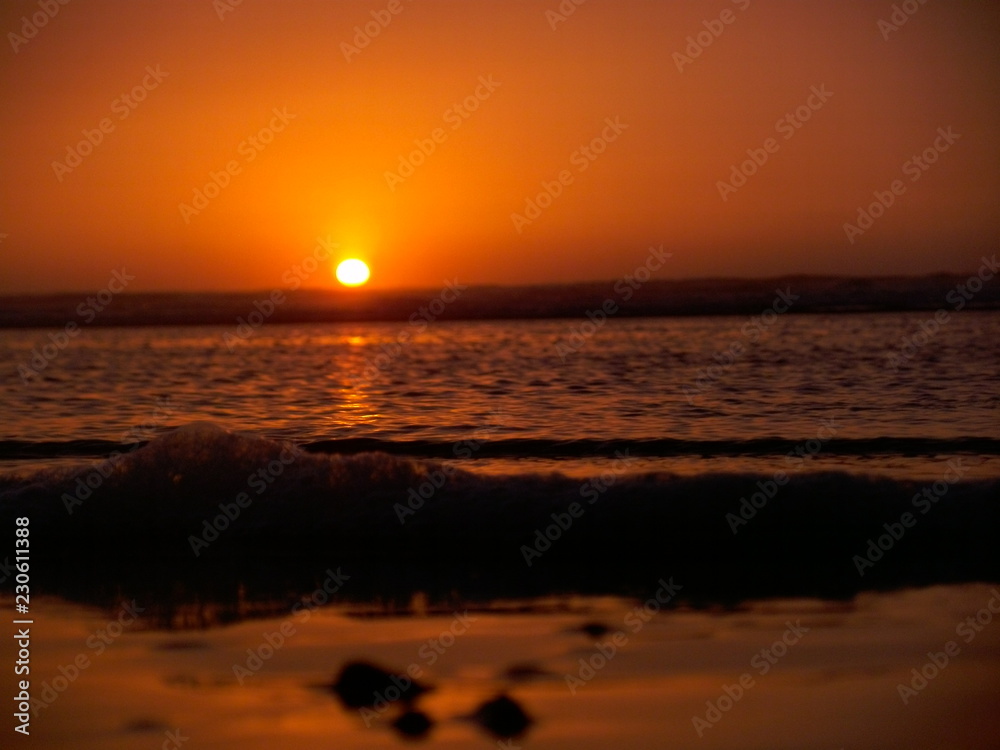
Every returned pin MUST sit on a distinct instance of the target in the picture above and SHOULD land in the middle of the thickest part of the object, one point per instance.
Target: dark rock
(360, 684)
(594, 629)
(413, 724)
(503, 717)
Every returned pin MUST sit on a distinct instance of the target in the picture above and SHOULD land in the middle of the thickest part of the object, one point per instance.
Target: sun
(352, 272)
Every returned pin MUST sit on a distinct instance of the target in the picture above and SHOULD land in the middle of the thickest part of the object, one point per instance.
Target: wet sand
(794, 673)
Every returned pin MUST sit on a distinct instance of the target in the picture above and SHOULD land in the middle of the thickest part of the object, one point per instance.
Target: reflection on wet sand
(569, 674)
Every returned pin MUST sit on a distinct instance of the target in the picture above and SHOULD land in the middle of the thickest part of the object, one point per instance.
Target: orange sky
(547, 92)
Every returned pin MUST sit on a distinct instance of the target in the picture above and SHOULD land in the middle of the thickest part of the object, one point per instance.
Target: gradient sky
(324, 173)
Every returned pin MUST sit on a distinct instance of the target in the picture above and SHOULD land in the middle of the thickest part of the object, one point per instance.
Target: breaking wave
(205, 504)
(536, 447)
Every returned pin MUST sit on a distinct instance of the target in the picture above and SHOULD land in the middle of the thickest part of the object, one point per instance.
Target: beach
(541, 374)
(782, 673)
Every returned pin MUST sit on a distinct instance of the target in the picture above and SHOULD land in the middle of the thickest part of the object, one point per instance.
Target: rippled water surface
(712, 378)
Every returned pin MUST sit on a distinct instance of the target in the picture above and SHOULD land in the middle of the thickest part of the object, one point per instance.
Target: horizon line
(493, 285)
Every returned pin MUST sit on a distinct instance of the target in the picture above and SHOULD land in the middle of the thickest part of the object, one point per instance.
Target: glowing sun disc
(352, 272)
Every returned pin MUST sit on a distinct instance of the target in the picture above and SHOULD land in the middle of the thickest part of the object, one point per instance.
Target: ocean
(545, 523)
(706, 392)
(437, 440)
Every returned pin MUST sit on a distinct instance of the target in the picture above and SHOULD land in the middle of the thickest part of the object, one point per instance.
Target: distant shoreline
(674, 298)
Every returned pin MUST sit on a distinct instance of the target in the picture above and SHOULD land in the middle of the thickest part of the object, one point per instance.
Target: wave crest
(203, 496)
